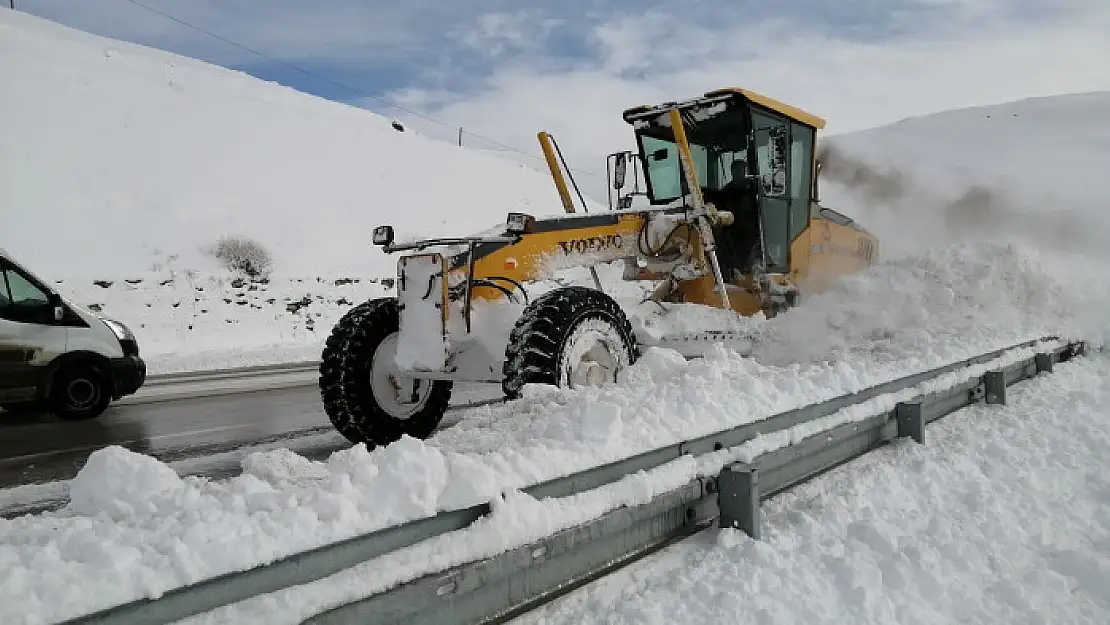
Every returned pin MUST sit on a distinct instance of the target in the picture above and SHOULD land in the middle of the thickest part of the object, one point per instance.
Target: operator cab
(753, 156)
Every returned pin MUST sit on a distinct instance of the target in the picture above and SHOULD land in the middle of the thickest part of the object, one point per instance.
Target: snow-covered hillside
(160, 155)
(1032, 170)
(124, 164)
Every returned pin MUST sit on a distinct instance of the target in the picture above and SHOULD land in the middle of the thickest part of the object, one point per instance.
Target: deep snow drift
(1003, 516)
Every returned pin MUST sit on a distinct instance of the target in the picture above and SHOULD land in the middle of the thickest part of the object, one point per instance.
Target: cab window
(801, 162)
(20, 299)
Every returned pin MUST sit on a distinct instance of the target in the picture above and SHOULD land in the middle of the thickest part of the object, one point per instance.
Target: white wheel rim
(390, 387)
(593, 355)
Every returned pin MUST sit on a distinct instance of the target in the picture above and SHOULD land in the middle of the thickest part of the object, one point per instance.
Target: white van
(57, 355)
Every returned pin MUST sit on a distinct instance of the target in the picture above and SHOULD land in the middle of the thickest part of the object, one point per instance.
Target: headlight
(383, 235)
(121, 331)
(520, 223)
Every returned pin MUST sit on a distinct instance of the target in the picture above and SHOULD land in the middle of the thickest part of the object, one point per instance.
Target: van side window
(20, 300)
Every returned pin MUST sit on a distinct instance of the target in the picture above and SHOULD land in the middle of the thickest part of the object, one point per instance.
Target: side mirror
(383, 235)
(817, 182)
(620, 170)
(54, 302)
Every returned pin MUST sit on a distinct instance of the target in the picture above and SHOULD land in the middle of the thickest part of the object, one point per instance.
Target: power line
(335, 83)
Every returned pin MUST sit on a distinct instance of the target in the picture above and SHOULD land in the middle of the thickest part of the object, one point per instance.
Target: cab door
(771, 134)
(30, 337)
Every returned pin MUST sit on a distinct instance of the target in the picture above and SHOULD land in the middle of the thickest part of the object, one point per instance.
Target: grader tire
(346, 380)
(538, 342)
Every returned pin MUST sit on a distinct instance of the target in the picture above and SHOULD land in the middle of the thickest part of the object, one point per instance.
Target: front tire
(573, 336)
(80, 391)
(361, 388)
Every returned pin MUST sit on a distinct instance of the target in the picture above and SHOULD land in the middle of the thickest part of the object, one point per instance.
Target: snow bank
(517, 519)
(158, 531)
(172, 531)
(1003, 516)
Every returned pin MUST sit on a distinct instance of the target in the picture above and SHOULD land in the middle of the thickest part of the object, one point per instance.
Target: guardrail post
(995, 386)
(1044, 363)
(910, 420)
(738, 498)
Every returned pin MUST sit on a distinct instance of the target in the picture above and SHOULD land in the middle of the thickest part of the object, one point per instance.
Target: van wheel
(80, 391)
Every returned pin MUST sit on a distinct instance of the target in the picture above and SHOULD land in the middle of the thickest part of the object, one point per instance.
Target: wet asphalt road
(37, 448)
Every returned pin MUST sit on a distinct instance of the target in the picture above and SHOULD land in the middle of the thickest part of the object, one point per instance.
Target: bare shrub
(240, 253)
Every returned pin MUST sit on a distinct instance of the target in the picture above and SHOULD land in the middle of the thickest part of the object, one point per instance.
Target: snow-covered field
(1003, 516)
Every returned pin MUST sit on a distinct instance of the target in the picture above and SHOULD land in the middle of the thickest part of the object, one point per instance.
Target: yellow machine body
(820, 245)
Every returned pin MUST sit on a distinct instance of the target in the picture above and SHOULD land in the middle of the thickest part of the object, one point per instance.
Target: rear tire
(568, 337)
(357, 396)
(80, 391)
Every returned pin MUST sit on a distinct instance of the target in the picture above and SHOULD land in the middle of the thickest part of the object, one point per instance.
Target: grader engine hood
(422, 300)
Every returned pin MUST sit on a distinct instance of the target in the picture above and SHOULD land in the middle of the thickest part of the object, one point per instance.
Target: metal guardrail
(206, 383)
(495, 588)
(206, 375)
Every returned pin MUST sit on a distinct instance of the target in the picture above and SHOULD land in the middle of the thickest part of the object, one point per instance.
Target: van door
(30, 338)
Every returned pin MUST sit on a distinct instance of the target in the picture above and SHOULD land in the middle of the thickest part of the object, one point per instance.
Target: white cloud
(571, 67)
(497, 34)
(982, 55)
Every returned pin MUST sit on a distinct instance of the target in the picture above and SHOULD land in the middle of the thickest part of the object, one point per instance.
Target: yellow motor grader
(729, 219)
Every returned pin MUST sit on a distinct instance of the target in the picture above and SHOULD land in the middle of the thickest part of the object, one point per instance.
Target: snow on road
(1003, 516)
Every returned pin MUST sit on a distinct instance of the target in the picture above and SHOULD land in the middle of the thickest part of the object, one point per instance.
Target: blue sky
(570, 67)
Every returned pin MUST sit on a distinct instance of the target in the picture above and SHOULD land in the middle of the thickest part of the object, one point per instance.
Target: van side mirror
(55, 302)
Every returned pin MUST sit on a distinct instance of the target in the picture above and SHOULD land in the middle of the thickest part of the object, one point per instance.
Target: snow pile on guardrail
(1003, 516)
